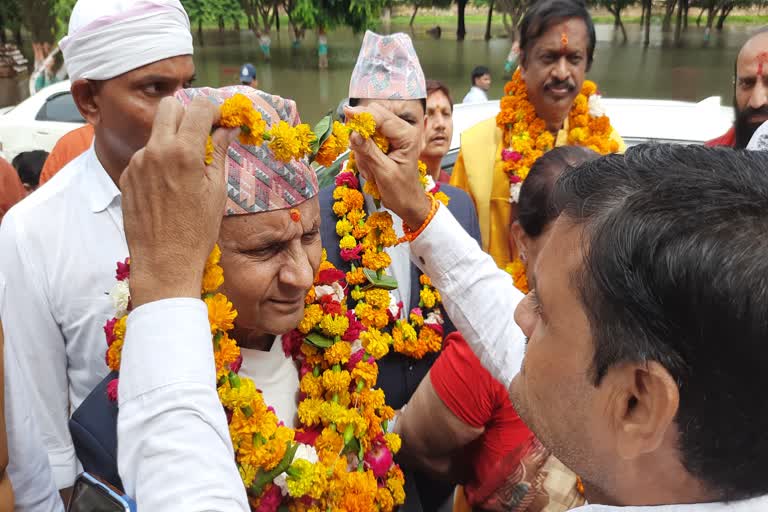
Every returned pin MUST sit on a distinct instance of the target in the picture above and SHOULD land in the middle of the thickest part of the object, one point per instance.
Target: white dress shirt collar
(99, 188)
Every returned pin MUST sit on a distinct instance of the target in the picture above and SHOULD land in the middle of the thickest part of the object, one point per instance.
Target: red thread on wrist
(408, 234)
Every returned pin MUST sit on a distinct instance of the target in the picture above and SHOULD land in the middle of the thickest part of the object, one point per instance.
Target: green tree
(359, 15)
(199, 11)
(615, 7)
(10, 19)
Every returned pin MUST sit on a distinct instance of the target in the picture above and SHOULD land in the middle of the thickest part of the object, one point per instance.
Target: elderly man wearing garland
(389, 293)
(546, 104)
(60, 244)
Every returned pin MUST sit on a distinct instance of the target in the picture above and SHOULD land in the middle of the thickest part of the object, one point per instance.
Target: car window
(60, 108)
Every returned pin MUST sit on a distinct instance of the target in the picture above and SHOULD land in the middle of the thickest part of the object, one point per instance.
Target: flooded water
(693, 69)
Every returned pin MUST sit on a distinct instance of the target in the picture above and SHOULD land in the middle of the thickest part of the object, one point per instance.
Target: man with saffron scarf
(388, 73)
(60, 245)
(557, 43)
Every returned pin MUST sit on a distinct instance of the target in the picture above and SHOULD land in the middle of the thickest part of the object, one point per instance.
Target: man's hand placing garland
(173, 203)
(396, 173)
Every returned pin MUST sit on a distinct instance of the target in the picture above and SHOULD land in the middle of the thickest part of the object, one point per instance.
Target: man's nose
(759, 96)
(560, 70)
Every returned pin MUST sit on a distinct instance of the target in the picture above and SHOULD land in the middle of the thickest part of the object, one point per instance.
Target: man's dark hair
(542, 15)
(478, 72)
(434, 86)
(353, 102)
(29, 164)
(535, 209)
(675, 271)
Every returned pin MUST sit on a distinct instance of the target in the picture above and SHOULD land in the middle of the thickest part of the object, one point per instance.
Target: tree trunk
(666, 25)
(686, 6)
(276, 19)
(724, 14)
(490, 20)
(618, 23)
(649, 9)
(413, 16)
(237, 24)
(461, 30)
(200, 31)
(221, 25)
(2, 30)
(679, 21)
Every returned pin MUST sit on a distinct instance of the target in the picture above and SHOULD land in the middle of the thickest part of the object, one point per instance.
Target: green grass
(734, 19)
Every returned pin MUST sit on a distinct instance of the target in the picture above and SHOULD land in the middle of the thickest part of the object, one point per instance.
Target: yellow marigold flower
(375, 342)
(313, 313)
(214, 257)
(338, 353)
(336, 382)
(405, 341)
(356, 276)
(395, 486)
(209, 149)
(367, 372)
(305, 137)
(372, 189)
(516, 269)
(252, 131)
(442, 197)
(241, 396)
(357, 293)
(416, 320)
(311, 385)
(376, 260)
(427, 297)
(347, 242)
(340, 208)
(362, 123)
(247, 473)
(377, 298)
(324, 263)
(343, 227)
(393, 442)
(300, 478)
(221, 314)
(233, 109)
(380, 220)
(311, 354)
(381, 142)
(341, 132)
(119, 328)
(213, 278)
(384, 499)
(309, 411)
(284, 142)
(334, 325)
(329, 440)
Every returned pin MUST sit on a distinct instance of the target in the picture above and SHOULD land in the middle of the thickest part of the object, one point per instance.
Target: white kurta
(155, 420)
(276, 376)
(28, 467)
(58, 252)
(475, 95)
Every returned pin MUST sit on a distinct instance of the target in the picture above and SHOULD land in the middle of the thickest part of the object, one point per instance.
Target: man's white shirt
(58, 253)
(475, 95)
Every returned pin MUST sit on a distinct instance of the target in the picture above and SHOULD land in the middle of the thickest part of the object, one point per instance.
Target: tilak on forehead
(761, 59)
(563, 43)
(256, 181)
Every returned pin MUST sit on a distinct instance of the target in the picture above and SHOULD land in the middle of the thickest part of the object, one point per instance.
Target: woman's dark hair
(434, 86)
(539, 18)
(535, 208)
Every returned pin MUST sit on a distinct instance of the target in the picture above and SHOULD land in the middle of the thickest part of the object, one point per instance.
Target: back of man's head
(676, 272)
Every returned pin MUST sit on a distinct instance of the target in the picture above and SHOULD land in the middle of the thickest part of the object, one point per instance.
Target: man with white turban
(59, 246)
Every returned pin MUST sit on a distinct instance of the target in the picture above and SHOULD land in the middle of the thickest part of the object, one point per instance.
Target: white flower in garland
(121, 296)
(514, 192)
(596, 108)
(334, 289)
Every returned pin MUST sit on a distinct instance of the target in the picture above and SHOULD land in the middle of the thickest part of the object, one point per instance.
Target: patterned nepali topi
(387, 68)
(256, 181)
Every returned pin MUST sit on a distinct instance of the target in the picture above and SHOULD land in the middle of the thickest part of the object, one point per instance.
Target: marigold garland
(525, 135)
(342, 456)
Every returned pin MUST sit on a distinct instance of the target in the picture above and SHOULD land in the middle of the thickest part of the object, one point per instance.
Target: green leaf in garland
(318, 340)
(385, 282)
(323, 130)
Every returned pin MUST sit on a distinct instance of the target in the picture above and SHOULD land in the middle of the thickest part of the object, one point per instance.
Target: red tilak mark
(295, 215)
(563, 43)
(761, 59)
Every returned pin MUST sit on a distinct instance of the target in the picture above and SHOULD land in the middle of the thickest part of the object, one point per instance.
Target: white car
(39, 121)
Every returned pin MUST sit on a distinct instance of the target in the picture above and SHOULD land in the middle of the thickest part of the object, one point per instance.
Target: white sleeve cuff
(166, 342)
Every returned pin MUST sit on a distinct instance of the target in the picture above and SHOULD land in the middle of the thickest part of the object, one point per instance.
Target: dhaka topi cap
(387, 68)
(256, 181)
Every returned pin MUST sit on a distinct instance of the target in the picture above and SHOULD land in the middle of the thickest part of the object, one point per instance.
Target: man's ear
(518, 241)
(643, 409)
(85, 93)
(522, 61)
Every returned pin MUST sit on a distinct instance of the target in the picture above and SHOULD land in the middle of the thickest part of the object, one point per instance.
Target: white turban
(107, 38)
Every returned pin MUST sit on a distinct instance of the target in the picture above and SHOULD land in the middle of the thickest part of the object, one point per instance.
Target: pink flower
(355, 358)
(307, 436)
(270, 500)
(514, 178)
(330, 276)
(109, 330)
(435, 327)
(292, 341)
(509, 155)
(236, 364)
(347, 178)
(112, 390)
(354, 329)
(351, 254)
(379, 458)
(435, 189)
(123, 270)
(304, 369)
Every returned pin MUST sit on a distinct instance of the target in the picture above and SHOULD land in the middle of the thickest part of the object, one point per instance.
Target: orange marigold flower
(588, 88)
(338, 353)
(376, 260)
(377, 298)
(372, 189)
(356, 276)
(233, 109)
(221, 313)
(213, 278)
(367, 372)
